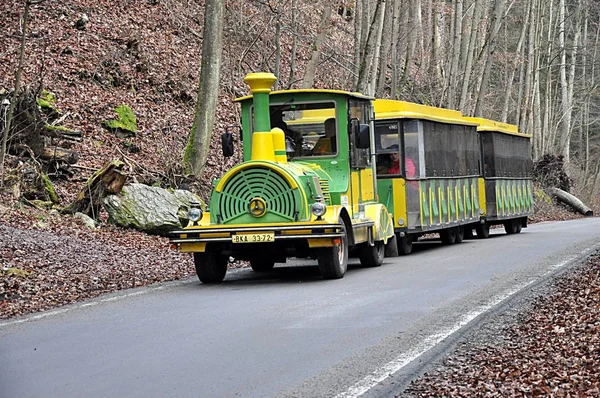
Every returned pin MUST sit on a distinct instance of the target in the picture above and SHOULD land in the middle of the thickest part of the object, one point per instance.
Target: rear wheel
(483, 230)
(333, 261)
(448, 236)
(262, 264)
(460, 234)
(405, 244)
(211, 266)
(518, 225)
(372, 256)
(510, 226)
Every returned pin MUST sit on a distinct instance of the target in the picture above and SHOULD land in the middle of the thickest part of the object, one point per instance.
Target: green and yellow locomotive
(307, 187)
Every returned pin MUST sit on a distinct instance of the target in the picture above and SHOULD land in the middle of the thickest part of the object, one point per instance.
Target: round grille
(252, 183)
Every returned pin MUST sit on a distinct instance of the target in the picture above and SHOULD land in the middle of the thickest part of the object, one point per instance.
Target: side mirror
(227, 144)
(363, 138)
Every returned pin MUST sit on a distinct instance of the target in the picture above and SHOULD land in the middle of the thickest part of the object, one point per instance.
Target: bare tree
(199, 139)
(370, 48)
(18, 74)
(311, 66)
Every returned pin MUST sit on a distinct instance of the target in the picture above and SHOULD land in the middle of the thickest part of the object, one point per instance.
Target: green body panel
(507, 198)
(385, 191)
(338, 167)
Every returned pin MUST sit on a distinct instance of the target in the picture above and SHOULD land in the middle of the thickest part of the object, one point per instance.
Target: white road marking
(82, 305)
(432, 340)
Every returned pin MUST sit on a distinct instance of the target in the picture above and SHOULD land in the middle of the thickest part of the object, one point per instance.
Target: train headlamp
(318, 208)
(195, 213)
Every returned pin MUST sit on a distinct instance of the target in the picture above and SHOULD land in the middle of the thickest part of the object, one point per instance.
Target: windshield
(311, 127)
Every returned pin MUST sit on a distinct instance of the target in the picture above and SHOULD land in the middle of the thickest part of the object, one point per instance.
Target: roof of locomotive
(311, 91)
(386, 109)
(487, 125)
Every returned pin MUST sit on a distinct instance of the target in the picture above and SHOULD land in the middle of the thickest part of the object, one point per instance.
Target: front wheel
(333, 261)
(372, 256)
(211, 266)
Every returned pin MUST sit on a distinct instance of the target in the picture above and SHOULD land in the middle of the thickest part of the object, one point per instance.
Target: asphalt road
(287, 333)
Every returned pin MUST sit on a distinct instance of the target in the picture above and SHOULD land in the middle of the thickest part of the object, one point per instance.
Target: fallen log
(106, 181)
(572, 201)
(59, 154)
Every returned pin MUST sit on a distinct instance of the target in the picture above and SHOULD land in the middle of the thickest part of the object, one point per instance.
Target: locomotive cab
(306, 187)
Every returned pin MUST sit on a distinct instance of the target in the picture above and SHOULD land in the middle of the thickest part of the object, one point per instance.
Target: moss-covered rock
(47, 102)
(150, 209)
(125, 125)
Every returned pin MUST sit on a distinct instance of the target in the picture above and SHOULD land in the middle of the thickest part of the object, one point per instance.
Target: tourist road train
(329, 174)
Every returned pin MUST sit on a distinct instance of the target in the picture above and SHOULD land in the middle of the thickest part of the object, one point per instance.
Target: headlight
(318, 209)
(195, 213)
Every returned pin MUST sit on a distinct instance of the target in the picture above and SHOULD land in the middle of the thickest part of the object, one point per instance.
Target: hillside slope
(145, 55)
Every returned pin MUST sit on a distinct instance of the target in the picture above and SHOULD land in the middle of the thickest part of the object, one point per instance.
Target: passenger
(409, 164)
(327, 144)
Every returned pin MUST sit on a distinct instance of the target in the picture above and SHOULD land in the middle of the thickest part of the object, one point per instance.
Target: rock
(150, 209)
(87, 220)
(82, 22)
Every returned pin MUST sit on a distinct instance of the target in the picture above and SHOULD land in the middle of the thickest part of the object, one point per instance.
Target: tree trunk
(313, 62)
(572, 201)
(395, 38)
(470, 53)
(369, 53)
(513, 71)
(208, 88)
(294, 44)
(377, 55)
(456, 47)
(490, 44)
(13, 103)
(386, 42)
(358, 45)
(106, 181)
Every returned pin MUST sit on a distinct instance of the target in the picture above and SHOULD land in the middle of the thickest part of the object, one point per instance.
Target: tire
(510, 226)
(483, 231)
(262, 264)
(372, 256)
(460, 234)
(519, 226)
(333, 261)
(405, 244)
(448, 236)
(211, 266)
(391, 248)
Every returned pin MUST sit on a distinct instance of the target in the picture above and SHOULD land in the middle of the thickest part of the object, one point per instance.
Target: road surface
(287, 333)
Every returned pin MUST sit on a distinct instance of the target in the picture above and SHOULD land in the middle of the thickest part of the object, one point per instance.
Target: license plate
(253, 238)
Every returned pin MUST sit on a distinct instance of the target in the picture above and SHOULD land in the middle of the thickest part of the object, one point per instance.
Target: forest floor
(548, 347)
